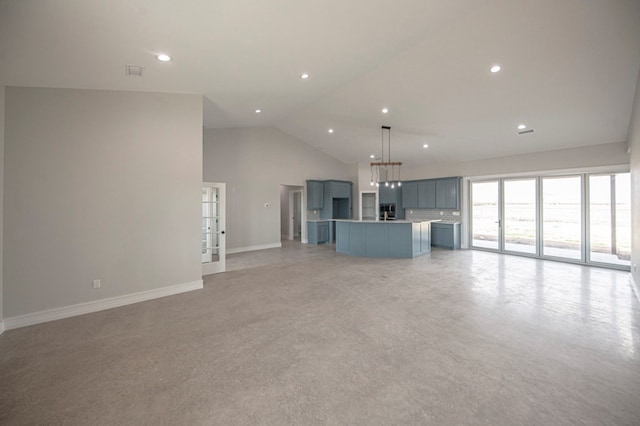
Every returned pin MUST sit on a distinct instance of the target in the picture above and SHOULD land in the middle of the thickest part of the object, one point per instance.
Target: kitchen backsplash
(416, 214)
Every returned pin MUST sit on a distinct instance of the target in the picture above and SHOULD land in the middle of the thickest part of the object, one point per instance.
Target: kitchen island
(397, 238)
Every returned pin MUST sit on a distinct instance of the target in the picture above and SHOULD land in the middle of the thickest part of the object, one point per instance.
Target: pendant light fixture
(384, 171)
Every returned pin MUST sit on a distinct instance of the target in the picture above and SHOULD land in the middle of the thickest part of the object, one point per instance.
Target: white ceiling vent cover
(134, 70)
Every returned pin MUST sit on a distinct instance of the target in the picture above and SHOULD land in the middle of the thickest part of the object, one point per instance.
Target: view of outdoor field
(608, 212)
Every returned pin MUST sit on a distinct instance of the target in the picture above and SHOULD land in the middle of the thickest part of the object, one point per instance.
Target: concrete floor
(305, 336)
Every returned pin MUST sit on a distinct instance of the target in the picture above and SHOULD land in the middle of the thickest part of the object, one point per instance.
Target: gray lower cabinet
(445, 235)
(318, 232)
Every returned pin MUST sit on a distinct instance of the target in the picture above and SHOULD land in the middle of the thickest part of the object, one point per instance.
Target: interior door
(213, 228)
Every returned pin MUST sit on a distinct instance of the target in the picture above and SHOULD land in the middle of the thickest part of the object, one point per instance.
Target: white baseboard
(98, 305)
(252, 248)
(634, 286)
(1, 327)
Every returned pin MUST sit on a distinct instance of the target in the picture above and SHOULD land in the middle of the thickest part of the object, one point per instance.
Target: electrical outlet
(456, 213)
(96, 283)
(441, 213)
(410, 211)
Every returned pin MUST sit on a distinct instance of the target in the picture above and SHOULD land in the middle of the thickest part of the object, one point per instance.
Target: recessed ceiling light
(258, 111)
(330, 130)
(425, 146)
(496, 68)
(385, 110)
(304, 76)
(372, 156)
(521, 126)
(163, 57)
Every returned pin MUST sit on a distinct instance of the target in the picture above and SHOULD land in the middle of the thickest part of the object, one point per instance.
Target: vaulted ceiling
(569, 67)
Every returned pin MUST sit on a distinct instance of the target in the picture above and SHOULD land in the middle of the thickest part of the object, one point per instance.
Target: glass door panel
(610, 219)
(600, 219)
(212, 247)
(520, 215)
(622, 216)
(485, 215)
(562, 217)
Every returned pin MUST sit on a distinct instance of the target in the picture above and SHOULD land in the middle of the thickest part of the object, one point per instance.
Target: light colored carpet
(305, 336)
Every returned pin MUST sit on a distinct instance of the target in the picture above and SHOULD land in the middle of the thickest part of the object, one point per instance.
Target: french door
(581, 218)
(213, 228)
(503, 215)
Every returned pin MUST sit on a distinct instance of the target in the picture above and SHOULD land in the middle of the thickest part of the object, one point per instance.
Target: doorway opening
(291, 213)
(368, 205)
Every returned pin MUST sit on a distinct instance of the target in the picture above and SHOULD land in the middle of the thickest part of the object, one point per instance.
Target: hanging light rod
(378, 168)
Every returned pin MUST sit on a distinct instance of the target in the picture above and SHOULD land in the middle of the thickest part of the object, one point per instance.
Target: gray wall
(1, 196)
(634, 145)
(99, 185)
(254, 162)
(592, 156)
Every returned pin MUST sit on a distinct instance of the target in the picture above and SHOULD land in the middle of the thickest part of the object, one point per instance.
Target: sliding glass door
(520, 208)
(610, 218)
(562, 217)
(583, 218)
(485, 214)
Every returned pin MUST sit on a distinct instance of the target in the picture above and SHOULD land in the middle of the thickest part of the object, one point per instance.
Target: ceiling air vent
(524, 132)
(134, 70)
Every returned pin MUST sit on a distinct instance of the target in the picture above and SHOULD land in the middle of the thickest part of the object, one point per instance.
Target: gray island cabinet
(396, 239)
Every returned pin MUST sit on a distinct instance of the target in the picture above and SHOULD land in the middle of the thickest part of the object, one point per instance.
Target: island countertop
(392, 238)
(384, 221)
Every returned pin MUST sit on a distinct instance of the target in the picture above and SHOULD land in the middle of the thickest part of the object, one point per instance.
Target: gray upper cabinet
(431, 194)
(427, 194)
(410, 195)
(447, 193)
(389, 195)
(315, 195)
(337, 200)
(340, 189)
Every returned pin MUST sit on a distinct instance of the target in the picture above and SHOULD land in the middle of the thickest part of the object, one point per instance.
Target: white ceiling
(569, 67)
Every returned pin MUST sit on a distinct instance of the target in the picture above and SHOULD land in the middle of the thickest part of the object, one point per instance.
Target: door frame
(583, 173)
(377, 208)
(291, 220)
(219, 266)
